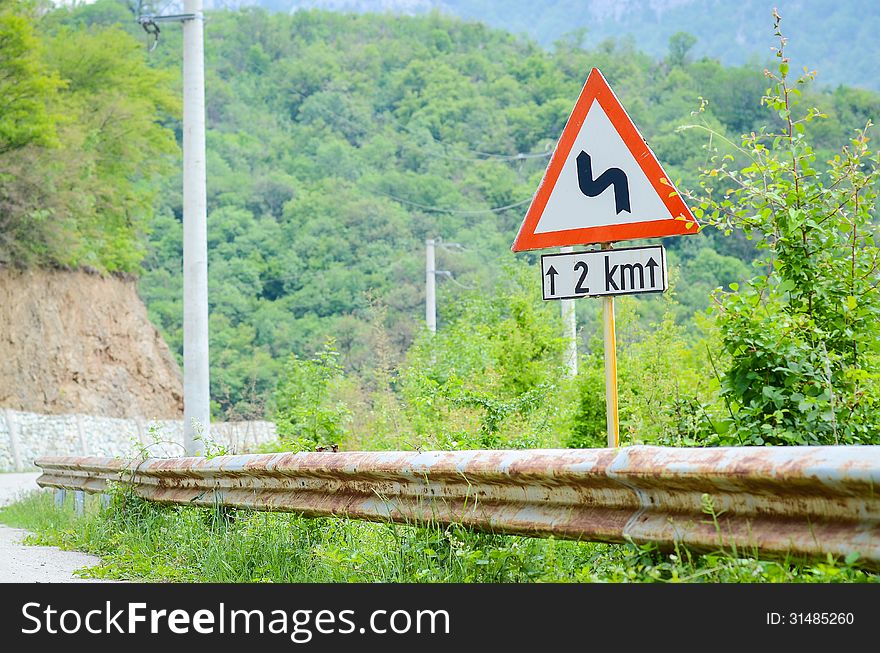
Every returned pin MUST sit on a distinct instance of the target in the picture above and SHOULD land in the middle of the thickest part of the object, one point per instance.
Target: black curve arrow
(611, 177)
(551, 272)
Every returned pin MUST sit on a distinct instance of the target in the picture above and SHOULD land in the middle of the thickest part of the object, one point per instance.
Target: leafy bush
(304, 411)
(588, 426)
(665, 382)
(801, 334)
(493, 376)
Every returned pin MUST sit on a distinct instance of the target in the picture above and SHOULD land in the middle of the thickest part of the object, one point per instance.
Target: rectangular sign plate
(604, 272)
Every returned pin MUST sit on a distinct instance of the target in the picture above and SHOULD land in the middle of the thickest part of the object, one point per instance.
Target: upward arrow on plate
(552, 274)
(651, 264)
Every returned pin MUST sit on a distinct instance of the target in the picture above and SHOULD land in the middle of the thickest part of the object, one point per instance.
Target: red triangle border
(597, 89)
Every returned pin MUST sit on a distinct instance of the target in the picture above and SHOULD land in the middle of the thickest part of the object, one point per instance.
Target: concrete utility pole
(196, 388)
(569, 319)
(430, 287)
(431, 274)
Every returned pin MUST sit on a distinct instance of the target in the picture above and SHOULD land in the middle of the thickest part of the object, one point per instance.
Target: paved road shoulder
(20, 563)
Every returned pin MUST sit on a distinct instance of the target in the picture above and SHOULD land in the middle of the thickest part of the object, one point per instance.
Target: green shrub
(304, 408)
(801, 335)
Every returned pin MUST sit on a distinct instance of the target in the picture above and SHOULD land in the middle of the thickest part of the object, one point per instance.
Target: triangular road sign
(603, 183)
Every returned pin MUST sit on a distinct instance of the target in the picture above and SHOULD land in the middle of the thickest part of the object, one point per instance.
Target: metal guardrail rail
(798, 501)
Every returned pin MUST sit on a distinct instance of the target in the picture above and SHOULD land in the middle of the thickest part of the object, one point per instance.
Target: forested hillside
(338, 143)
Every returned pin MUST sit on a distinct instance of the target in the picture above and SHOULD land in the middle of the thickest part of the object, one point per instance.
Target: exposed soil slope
(72, 342)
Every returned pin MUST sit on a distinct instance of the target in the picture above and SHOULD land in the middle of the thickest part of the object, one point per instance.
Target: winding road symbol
(612, 177)
(601, 145)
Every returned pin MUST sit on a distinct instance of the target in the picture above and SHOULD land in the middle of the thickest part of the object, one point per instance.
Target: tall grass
(139, 540)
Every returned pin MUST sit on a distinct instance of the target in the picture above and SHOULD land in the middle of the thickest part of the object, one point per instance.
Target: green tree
(336, 146)
(87, 200)
(27, 86)
(680, 45)
(116, 142)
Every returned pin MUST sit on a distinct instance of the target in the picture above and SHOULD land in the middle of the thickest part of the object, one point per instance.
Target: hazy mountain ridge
(837, 38)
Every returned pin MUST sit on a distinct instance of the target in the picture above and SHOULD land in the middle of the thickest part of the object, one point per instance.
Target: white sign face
(601, 183)
(604, 272)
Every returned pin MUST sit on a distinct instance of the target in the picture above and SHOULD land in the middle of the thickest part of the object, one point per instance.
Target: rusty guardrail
(800, 501)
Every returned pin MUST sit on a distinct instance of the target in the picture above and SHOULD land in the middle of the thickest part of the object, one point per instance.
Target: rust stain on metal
(800, 501)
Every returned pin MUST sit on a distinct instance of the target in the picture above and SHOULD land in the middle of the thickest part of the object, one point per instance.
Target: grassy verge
(141, 541)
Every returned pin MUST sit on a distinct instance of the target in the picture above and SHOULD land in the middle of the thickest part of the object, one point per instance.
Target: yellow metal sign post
(610, 339)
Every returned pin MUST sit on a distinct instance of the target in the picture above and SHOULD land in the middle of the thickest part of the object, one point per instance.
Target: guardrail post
(60, 495)
(12, 428)
(79, 502)
(80, 433)
(141, 431)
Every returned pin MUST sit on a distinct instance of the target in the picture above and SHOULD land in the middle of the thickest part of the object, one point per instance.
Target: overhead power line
(477, 154)
(440, 209)
(494, 157)
(480, 156)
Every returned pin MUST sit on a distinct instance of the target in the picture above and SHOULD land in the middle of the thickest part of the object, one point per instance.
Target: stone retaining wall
(27, 436)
